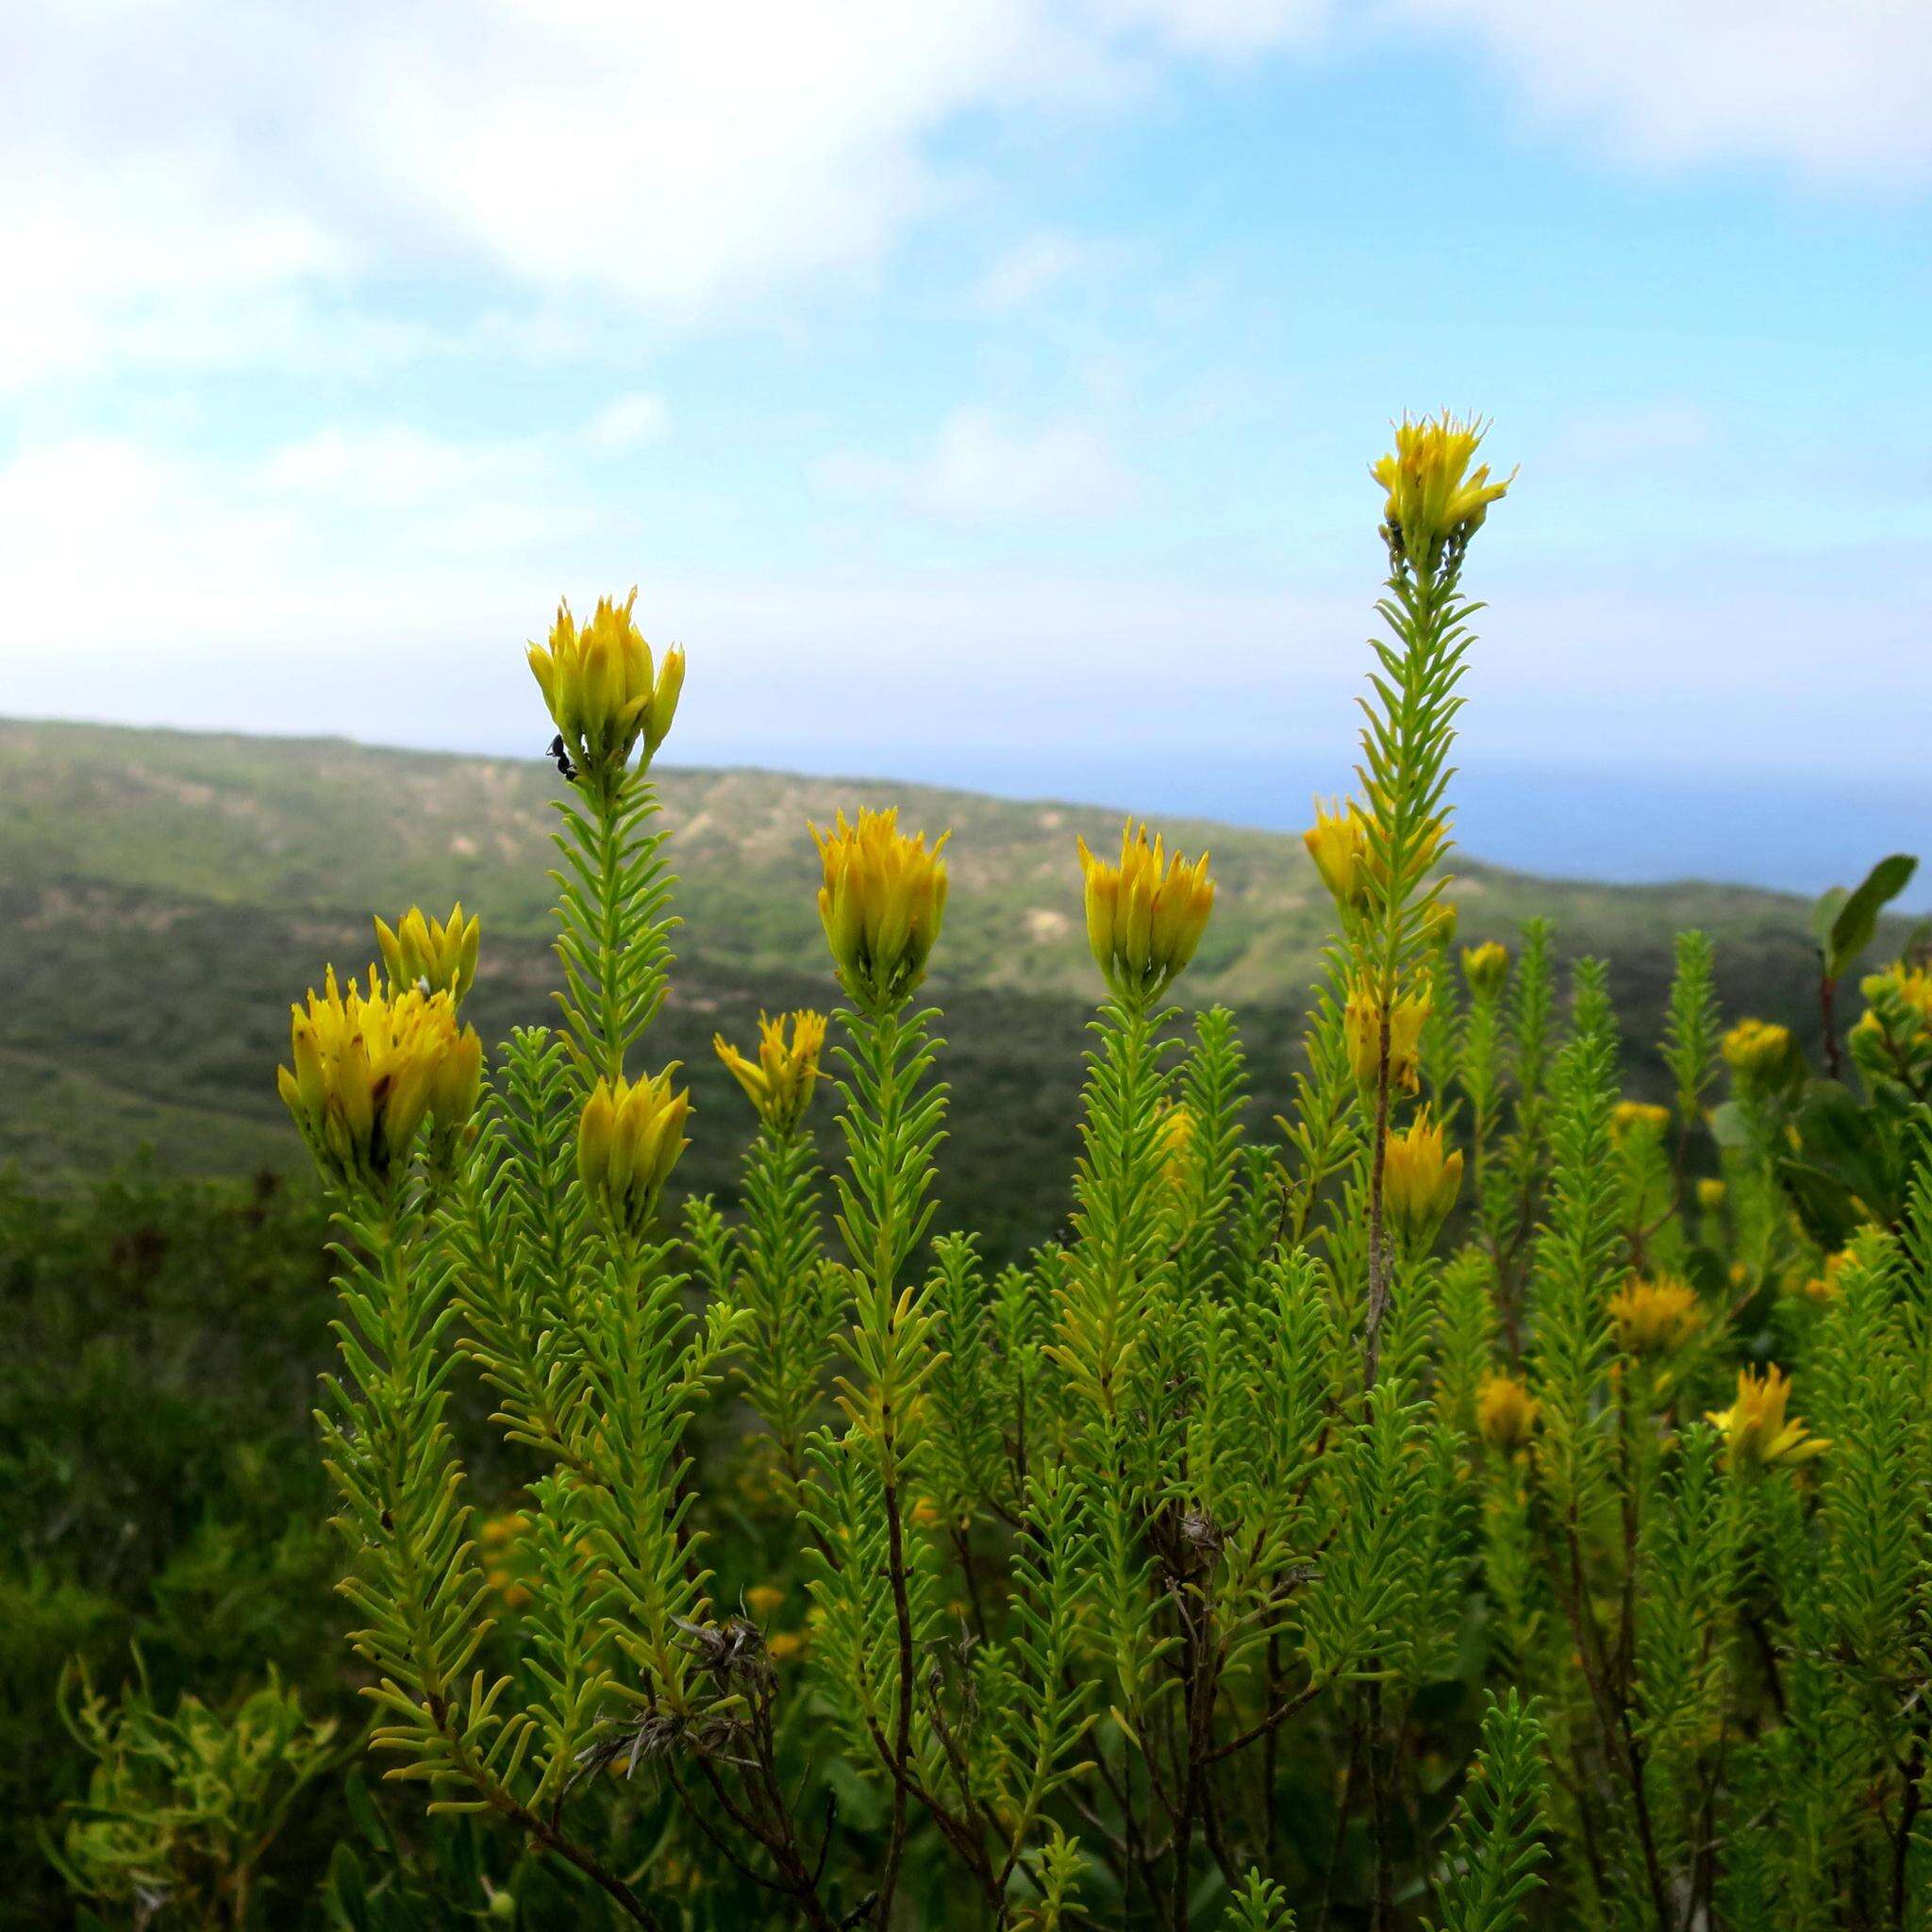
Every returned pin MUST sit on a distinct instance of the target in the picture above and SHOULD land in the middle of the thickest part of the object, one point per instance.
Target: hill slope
(163, 894)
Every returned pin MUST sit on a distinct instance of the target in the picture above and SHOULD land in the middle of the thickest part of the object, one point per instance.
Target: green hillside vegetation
(166, 893)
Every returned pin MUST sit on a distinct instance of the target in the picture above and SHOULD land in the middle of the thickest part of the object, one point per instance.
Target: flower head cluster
(881, 904)
(1486, 969)
(1638, 1123)
(1654, 1317)
(1893, 1036)
(629, 1140)
(1760, 1055)
(1506, 1414)
(439, 955)
(603, 690)
(1421, 1178)
(369, 1069)
(1757, 1433)
(780, 1081)
(1436, 503)
(1363, 1022)
(1145, 914)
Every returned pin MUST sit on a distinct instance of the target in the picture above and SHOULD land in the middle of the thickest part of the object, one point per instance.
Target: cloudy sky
(982, 389)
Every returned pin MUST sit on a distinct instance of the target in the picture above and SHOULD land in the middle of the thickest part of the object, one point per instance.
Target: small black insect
(562, 754)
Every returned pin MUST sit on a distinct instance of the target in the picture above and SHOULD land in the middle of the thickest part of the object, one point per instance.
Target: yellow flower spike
(1361, 1023)
(368, 1069)
(1757, 1432)
(1421, 1179)
(1656, 1317)
(629, 1137)
(780, 1081)
(1337, 843)
(1761, 1056)
(1486, 969)
(438, 954)
(1506, 1414)
(601, 689)
(1635, 1122)
(881, 905)
(1435, 503)
(1145, 915)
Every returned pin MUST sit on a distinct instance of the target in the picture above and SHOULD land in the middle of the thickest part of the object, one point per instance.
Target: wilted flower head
(1636, 1122)
(628, 1140)
(1760, 1053)
(1421, 1178)
(782, 1079)
(1435, 502)
(881, 904)
(602, 688)
(1337, 843)
(369, 1069)
(1506, 1414)
(1486, 969)
(1145, 914)
(1362, 1027)
(1654, 1317)
(1756, 1431)
(438, 954)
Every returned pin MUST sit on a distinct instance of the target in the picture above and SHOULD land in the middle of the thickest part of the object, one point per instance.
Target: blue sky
(984, 392)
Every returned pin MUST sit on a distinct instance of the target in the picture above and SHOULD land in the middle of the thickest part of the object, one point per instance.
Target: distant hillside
(163, 894)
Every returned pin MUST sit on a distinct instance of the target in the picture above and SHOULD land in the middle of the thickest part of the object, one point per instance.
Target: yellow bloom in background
(369, 1069)
(1361, 1023)
(780, 1081)
(1756, 1430)
(763, 1599)
(1486, 969)
(1711, 1195)
(628, 1140)
(1893, 1035)
(782, 1646)
(881, 904)
(1421, 1178)
(1638, 1121)
(1654, 1317)
(437, 954)
(1146, 914)
(1436, 503)
(1337, 843)
(1827, 1287)
(603, 690)
(1506, 1414)
(1759, 1053)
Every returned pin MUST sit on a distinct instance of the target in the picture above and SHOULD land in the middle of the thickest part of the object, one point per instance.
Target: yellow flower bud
(368, 1069)
(881, 904)
(1420, 1180)
(1761, 1056)
(1486, 969)
(459, 1082)
(1635, 1122)
(1145, 915)
(1434, 503)
(1711, 1195)
(440, 954)
(1363, 1020)
(629, 1137)
(1652, 1318)
(780, 1081)
(602, 690)
(1336, 841)
(1756, 1430)
(1506, 1414)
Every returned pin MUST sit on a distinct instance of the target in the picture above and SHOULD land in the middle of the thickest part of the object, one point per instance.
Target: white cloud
(628, 422)
(983, 467)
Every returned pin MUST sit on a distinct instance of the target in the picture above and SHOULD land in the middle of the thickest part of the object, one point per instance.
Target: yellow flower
(369, 1069)
(1638, 1121)
(1486, 969)
(1827, 1287)
(438, 954)
(783, 1645)
(1756, 1431)
(1362, 1020)
(1506, 1414)
(1337, 843)
(1711, 1195)
(1654, 1317)
(602, 691)
(762, 1599)
(1435, 503)
(1760, 1053)
(1892, 1038)
(782, 1079)
(881, 904)
(1144, 915)
(628, 1140)
(1420, 1180)
(926, 1514)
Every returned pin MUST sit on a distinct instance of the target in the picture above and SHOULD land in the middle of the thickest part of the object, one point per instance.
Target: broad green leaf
(1857, 918)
